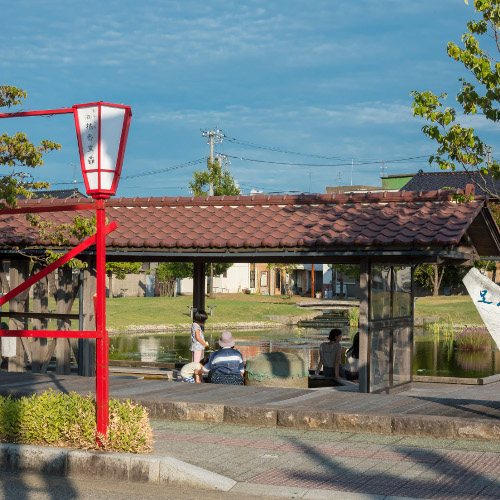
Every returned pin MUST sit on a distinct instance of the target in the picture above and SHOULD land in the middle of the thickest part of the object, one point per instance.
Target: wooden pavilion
(388, 234)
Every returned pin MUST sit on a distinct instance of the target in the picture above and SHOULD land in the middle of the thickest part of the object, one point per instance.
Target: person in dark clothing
(226, 365)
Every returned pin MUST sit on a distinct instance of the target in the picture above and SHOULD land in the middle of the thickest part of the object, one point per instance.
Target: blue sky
(328, 79)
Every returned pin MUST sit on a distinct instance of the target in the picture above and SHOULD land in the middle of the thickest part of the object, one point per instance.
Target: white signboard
(486, 297)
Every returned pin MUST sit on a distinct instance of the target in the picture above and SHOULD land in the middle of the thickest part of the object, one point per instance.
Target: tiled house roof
(249, 224)
(427, 181)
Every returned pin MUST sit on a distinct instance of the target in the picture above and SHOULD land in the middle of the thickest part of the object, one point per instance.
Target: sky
(307, 93)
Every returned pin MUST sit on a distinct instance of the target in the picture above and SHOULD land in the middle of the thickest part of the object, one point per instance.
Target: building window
(252, 275)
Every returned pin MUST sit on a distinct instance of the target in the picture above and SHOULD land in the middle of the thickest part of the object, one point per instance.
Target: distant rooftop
(432, 181)
(60, 194)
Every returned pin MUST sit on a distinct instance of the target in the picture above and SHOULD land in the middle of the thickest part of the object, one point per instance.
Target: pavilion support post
(364, 333)
(40, 305)
(87, 346)
(64, 301)
(199, 285)
(19, 270)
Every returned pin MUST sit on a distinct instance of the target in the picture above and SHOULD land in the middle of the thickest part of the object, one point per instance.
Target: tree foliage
(458, 145)
(18, 151)
(434, 276)
(223, 182)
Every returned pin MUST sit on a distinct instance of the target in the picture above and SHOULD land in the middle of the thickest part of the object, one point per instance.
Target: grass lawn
(456, 309)
(229, 308)
(238, 308)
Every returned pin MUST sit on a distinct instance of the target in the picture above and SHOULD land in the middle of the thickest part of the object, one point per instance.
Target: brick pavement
(311, 462)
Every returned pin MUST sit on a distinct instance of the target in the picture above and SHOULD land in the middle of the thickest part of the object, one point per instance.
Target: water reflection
(431, 356)
(173, 348)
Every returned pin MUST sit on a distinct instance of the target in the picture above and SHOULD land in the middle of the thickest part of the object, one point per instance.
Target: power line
(278, 150)
(400, 160)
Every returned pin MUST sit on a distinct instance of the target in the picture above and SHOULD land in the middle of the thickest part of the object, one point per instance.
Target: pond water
(433, 358)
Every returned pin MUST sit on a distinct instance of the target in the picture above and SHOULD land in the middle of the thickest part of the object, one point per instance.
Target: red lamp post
(102, 131)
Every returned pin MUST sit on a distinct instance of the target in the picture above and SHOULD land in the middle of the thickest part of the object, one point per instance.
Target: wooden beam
(364, 337)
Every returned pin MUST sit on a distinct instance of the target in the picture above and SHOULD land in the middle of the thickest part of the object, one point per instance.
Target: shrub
(353, 316)
(56, 419)
(473, 339)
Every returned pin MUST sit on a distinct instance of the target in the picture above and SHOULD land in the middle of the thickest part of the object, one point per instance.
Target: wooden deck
(434, 410)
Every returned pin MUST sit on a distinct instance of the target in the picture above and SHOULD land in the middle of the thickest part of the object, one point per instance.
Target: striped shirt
(226, 361)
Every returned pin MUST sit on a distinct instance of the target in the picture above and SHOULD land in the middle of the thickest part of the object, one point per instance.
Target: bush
(69, 420)
(473, 339)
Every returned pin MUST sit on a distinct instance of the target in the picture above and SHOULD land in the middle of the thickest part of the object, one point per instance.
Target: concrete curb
(19, 458)
(431, 426)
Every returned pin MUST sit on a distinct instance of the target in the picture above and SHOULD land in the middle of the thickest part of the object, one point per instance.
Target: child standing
(198, 343)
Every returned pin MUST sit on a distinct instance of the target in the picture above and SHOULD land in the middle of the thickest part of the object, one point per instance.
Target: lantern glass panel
(106, 180)
(93, 178)
(89, 134)
(111, 132)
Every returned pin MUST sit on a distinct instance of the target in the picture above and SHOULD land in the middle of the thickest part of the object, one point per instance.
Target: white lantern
(102, 131)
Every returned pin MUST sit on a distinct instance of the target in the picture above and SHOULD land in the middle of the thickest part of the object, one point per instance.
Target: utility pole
(352, 168)
(213, 136)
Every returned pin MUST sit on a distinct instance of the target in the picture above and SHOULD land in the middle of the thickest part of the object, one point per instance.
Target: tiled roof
(391, 219)
(425, 181)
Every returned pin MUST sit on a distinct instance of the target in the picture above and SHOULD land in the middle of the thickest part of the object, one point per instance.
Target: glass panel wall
(402, 291)
(402, 355)
(380, 360)
(381, 292)
(390, 326)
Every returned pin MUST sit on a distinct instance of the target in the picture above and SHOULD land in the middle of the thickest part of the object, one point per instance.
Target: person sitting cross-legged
(226, 365)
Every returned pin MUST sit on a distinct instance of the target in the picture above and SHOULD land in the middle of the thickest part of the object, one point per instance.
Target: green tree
(167, 274)
(223, 182)
(458, 145)
(18, 151)
(119, 270)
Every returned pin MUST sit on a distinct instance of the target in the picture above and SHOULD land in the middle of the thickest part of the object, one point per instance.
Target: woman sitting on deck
(352, 359)
(226, 365)
(330, 354)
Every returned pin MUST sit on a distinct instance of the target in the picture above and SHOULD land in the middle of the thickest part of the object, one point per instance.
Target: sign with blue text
(486, 297)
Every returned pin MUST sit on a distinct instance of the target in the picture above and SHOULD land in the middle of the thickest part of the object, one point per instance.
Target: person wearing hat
(226, 365)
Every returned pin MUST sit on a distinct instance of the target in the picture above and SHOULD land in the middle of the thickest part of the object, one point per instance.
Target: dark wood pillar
(86, 366)
(18, 274)
(40, 305)
(199, 285)
(364, 337)
(64, 303)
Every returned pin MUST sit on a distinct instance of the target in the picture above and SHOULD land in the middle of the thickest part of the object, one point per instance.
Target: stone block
(428, 426)
(199, 412)
(35, 459)
(477, 429)
(352, 422)
(108, 465)
(181, 474)
(250, 415)
(305, 419)
(163, 409)
(144, 469)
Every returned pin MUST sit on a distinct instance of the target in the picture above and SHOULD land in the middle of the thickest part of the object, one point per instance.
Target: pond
(431, 357)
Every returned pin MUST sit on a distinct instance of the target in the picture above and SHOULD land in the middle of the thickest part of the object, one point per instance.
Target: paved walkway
(325, 464)
(433, 441)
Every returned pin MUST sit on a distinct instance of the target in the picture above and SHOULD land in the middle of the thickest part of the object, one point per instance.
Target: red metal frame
(100, 333)
(99, 239)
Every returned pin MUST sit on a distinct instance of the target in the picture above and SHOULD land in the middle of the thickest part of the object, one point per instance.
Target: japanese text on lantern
(89, 131)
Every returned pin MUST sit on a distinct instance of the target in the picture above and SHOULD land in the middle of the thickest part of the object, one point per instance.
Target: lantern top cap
(102, 103)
